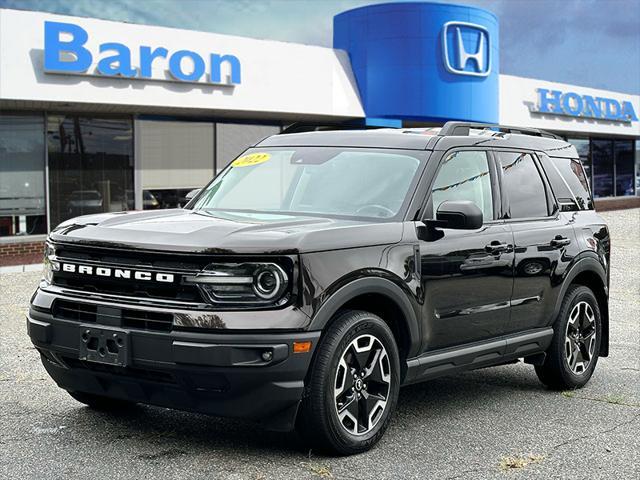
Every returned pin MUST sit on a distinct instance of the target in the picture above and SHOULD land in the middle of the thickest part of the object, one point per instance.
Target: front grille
(147, 320)
(129, 288)
(77, 312)
(123, 317)
(178, 264)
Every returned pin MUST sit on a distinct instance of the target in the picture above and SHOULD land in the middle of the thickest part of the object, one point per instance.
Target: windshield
(358, 182)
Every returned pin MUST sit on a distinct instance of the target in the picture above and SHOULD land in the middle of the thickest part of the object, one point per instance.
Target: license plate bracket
(104, 345)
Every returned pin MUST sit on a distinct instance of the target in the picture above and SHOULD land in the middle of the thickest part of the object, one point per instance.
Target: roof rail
(301, 127)
(462, 129)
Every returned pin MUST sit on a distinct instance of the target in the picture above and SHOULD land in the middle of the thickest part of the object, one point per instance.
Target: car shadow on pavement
(179, 433)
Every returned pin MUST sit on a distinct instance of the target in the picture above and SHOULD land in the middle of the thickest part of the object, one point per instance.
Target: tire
(573, 353)
(355, 367)
(98, 402)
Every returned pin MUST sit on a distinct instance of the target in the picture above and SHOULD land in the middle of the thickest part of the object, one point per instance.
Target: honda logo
(466, 49)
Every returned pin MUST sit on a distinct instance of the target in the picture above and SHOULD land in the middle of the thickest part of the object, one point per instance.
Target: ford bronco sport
(323, 270)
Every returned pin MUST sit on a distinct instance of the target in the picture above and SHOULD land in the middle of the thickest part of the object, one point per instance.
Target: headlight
(50, 263)
(252, 283)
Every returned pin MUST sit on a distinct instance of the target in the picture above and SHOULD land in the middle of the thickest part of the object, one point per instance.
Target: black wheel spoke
(352, 406)
(584, 352)
(372, 371)
(363, 418)
(348, 381)
(362, 359)
(582, 315)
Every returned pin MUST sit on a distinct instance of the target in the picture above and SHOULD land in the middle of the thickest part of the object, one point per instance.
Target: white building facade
(100, 116)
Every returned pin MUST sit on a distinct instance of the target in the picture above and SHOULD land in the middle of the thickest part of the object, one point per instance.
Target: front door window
(464, 175)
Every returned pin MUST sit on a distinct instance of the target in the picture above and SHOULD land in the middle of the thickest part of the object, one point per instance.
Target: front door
(467, 275)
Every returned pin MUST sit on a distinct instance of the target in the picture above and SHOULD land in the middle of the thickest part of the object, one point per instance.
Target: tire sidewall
(365, 324)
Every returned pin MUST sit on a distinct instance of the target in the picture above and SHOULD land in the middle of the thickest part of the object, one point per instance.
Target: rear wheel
(575, 347)
(98, 402)
(353, 385)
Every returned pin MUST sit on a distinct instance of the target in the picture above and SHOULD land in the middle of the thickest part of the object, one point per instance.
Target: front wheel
(575, 347)
(353, 385)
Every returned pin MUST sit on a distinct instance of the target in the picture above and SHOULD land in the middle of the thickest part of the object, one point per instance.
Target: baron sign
(65, 52)
(573, 104)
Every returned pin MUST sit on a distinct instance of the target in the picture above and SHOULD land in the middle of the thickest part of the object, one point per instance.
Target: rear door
(467, 275)
(544, 240)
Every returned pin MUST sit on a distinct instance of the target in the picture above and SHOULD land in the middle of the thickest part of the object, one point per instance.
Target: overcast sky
(594, 43)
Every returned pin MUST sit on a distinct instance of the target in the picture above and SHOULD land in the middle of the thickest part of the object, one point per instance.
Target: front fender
(377, 286)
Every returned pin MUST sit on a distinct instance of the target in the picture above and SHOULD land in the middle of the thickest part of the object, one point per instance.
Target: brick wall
(20, 253)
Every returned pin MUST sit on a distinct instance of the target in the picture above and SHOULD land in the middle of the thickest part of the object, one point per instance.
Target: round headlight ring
(269, 282)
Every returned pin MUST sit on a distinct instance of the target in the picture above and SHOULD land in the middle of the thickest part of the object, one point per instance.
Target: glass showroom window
(602, 158)
(22, 192)
(90, 166)
(637, 167)
(624, 161)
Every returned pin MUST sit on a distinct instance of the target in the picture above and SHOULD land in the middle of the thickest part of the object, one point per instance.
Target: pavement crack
(596, 434)
(613, 400)
(466, 473)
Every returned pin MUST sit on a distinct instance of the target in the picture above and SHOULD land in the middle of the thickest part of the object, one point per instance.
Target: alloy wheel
(580, 338)
(362, 384)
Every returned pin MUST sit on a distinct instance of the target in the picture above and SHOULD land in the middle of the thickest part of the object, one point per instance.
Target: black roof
(429, 139)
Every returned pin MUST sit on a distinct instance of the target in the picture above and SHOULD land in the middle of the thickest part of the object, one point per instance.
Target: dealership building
(99, 116)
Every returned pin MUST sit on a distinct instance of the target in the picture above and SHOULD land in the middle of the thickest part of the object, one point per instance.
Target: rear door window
(522, 185)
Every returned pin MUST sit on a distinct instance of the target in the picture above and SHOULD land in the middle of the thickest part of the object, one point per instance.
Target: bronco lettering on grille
(118, 273)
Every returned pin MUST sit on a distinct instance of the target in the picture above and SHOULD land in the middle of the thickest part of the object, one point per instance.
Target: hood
(217, 232)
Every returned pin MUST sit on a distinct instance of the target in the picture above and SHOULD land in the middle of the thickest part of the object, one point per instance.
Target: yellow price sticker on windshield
(251, 159)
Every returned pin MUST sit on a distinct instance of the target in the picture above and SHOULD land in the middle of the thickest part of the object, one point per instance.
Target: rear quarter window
(522, 185)
(568, 182)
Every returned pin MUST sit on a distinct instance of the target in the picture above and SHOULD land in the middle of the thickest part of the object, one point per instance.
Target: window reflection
(22, 193)
(165, 198)
(602, 158)
(582, 146)
(637, 167)
(523, 185)
(464, 176)
(90, 165)
(623, 152)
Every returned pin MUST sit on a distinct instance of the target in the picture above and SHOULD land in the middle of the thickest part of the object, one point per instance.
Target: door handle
(560, 241)
(496, 247)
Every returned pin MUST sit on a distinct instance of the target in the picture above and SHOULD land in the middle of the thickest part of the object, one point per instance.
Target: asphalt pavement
(492, 423)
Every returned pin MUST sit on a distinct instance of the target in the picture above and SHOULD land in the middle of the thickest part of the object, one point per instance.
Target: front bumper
(221, 374)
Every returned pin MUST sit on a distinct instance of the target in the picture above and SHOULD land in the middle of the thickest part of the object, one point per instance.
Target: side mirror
(192, 194)
(459, 214)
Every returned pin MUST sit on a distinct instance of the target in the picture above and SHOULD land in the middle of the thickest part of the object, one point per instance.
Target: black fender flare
(587, 263)
(371, 285)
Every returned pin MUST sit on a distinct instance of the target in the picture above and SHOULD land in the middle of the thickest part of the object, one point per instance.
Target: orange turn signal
(301, 347)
